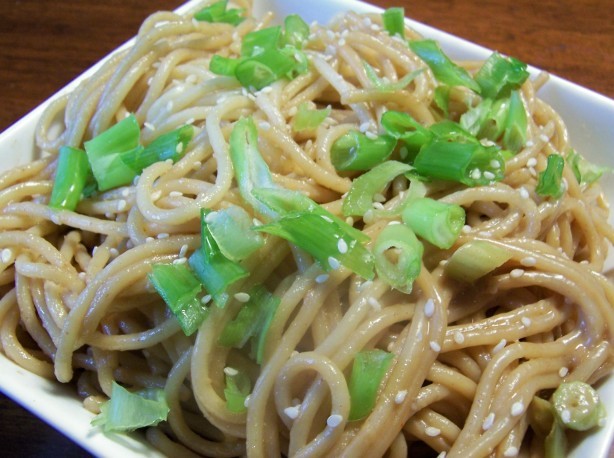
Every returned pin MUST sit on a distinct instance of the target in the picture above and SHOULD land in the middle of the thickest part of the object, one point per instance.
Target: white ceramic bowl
(589, 118)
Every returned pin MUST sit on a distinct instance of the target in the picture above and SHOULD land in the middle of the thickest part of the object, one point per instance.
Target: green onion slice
(500, 75)
(386, 86)
(179, 288)
(577, 406)
(438, 222)
(445, 71)
(296, 31)
(232, 230)
(368, 371)
(171, 145)
(238, 387)
(217, 12)
(357, 151)
(127, 411)
(398, 256)
(550, 181)
(307, 119)
(585, 172)
(394, 21)
(71, 175)
(475, 259)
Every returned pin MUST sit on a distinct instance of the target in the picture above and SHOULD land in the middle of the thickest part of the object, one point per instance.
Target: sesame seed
(400, 397)
(230, 371)
(429, 308)
(345, 33)
(435, 346)
(242, 297)
(333, 263)
(374, 27)
(403, 152)
(502, 343)
(181, 260)
(190, 121)
(292, 111)
(175, 194)
(442, 455)
(179, 148)
(205, 299)
(330, 34)
(210, 217)
(342, 42)
(526, 321)
(292, 412)
(495, 164)
(566, 416)
(149, 126)
(511, 451)
(149, 239)
(475, 174)
(524, 193)
(517, 273)
(125, 192)
(544, 138)
(163, 235)
(378, 205)
(183, 250)
(563, 371)
(517, 409)
(394, 223)
(367, 21)
(379, 197)
(246, 401)
(7, 255)
(264, 125)
(529, 143)
(459, 338)
(489, 175)
(488, 421)
(349, 220)
(156, 195)
(432, 431)
(342, 246)
(322, 278)
(371, 135)
(364, 126)
(373, 302)
(113, 252)
(466, 229)
(532, 162)
(528, 261)
(334, 420)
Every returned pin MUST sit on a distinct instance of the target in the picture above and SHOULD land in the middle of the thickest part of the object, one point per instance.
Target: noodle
(77, 305)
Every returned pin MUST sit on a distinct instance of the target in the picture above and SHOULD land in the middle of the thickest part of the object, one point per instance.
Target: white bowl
(587, 114)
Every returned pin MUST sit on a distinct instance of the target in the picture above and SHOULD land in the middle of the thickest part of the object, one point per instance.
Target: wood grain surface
(44, 45)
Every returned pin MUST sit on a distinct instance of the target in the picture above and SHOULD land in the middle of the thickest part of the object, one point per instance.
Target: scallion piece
(469, 163)
(180, 288)
(307, 119)
(500, 75)
(555, 444)
(441, 98)
(585, 172)
(104, 153)
(171, 145)
(394, 21)
(214, 270)
(296, 31)
(474, 119)
(475, 259)
(515, 127)
(322, 238)
(403, 127)
(264, 68)
(238, 387)
(225, 66)
(357, 151)
(398, 256)
(438, 222)
(252, 322)
(71, 175)
(360, 197)
(577, 406)
(445, 71)
(251, 171)
(217, 12)
(259, 41)
(550, 181)
(368, 371)
(127, 411)
(232, 230)
(386, 86)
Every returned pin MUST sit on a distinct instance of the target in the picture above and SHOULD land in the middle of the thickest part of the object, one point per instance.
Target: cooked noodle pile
(77, 304)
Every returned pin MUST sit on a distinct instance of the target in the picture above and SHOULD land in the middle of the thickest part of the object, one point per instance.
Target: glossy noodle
(468, 357)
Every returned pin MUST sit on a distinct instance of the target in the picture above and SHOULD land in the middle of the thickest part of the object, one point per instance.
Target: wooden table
(44, 45)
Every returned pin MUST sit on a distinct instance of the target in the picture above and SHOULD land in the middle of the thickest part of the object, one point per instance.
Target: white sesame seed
(544, 138)
(566, 416)
(378, 205)
(466, 229)
(403, 152)
(121, 205)
(264, 125)
(330, 34)
(435, 346)
(179, 148)
(364, 126)
(475, 174)
(529, 143)
(367, 21)
(442, 455)
(374, 27)
(528, 261)
(292, 412)
(429, 308)
(342, 246)
(189, 121)
(532, 162)
(149, 126)
(156, 195)
(374, 303)
(230, 371)
(113, 252)
(345, 33)
(342, 42)
(7, 255)
(322, 278)
(242, 297)
(333, 263)
(175, 194)
(488, 421)
(163, 235)
(489, 175)
(400, 397)
(394, 223)
(181, 260)
(459, 338)
(517, 409)
(349, 220)
(495, 164)
(517, 273)
(205, 299)
(511, 451)
(149, 239)
(432, 431)
(563, 371)
(502, 343)
(526, 321)
(183, 250)
(246, 401)
(377, 197)
(524, 193)
(334, 420)
(371, 135)
(210, 217)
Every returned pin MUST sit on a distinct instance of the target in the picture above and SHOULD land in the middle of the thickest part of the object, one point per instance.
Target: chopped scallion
(171, 145)
(71, 175)
(550, 181)
(217, 12)
(577, 405)
(232, 230)
(387, 86)
(438, 222)
(368, 371)
(475, 259)
(296, 31)
(500, 75)
(585, 172)
(238, 387)
(394, 21)
(307, 119)
(357, 151)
